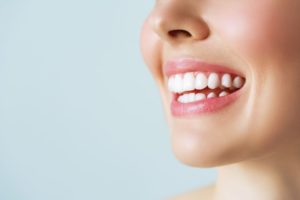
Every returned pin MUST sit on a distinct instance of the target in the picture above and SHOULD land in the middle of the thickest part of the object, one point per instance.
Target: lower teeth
(192, 97)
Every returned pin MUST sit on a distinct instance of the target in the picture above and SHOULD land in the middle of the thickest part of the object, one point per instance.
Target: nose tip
(175, 25)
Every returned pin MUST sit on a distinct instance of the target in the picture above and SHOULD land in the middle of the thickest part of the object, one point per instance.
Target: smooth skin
(254, 143)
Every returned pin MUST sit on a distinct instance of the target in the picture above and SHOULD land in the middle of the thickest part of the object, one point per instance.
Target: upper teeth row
(179, 83)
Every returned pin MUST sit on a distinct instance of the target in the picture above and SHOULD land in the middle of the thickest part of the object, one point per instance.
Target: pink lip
(203, 106)
(184, 65)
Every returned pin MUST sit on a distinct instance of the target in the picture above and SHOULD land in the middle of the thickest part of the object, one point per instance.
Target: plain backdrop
(80, 116)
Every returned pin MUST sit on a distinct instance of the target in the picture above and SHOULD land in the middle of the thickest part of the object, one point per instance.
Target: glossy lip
(183, 65)
(205, 106)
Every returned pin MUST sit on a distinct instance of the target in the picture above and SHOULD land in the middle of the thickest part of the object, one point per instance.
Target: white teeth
(223, 93)
(178, 83)
(200, 96)
(213, 81)
(180, 99)
(238, 82)
(188, 82)
(201, 81)
(171, 83)
(183, 99)
(226, 80)
(191, 97)
(211, 95)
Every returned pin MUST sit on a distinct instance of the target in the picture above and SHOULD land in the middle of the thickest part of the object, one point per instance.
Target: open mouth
(198, 86)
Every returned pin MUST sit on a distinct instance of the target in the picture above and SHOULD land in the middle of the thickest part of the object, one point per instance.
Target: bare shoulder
(204, 193)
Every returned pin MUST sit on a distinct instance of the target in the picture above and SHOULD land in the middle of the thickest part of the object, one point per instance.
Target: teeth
(201, 81)
(191, 97)
(188, 82)
(226, 80)
(200, 96)
(183, 99)
(223, 93)
(213, 81)
(171, 83)
(211, 95)
(238, 82)
(178, 83)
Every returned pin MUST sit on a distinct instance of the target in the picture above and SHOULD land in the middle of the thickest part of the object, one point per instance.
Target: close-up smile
(227, 77)
(199, 87)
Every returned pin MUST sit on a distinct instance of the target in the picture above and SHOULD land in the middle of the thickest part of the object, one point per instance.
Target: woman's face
(258, 40)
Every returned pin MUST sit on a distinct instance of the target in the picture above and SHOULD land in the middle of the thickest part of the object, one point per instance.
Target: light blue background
(80, 116)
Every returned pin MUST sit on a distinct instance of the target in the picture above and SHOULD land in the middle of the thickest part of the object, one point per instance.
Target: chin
(195, 157)
(200, 150)
(193, 152)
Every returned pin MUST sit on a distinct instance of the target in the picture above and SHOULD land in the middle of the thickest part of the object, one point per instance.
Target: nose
(176, 23)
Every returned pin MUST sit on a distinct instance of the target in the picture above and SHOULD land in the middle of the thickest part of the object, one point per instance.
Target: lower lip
(201, 107)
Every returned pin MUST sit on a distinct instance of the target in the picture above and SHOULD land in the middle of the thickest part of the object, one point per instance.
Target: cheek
(261, 32)
(151, 50)
(269, 40)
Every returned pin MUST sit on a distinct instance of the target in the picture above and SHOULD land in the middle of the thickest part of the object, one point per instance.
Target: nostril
(180, 33)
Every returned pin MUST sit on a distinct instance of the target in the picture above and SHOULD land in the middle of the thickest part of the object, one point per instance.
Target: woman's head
(258, 40)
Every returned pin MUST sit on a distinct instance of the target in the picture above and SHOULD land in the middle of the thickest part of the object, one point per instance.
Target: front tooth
(213, 81)
(188, 81)
(191, 97)
(171, 84)
(223, 93)
(226, 80)
(200, 96)
(238, 82)
(201, 81)
(211, 95)
(178, 83)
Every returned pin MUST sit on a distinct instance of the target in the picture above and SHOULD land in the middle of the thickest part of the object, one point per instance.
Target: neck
(274, 177)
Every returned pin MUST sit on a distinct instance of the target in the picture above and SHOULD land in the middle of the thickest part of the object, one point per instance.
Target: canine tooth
(200, 81)
(226, 80)
(171, 83)
(213, 81)
(238, 82)
(188, 81)
(178, 83)
(199, 96)
(223, 93)
(211, 95)
(191, 97)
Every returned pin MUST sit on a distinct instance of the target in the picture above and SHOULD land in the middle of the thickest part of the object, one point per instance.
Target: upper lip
(183, 65)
